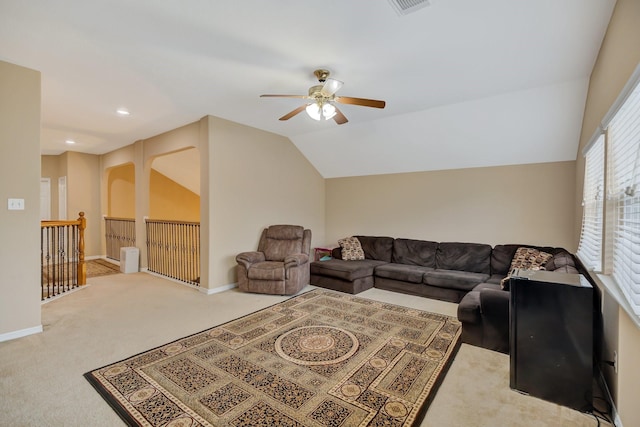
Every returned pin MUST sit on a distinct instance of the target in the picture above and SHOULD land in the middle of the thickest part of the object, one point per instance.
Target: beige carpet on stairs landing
(116, 316)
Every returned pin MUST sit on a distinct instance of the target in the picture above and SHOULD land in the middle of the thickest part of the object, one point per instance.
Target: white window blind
(624, 193)
(590, 247)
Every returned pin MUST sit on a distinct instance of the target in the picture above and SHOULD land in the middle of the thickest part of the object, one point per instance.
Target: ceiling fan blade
(287, 116)
(330, 87)
(340, 118)
(360, 101)
(284, 96)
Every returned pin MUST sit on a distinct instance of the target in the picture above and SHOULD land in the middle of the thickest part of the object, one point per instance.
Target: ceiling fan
(323, 98)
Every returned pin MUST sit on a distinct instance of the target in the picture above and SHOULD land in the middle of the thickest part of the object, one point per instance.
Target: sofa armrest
(494, 309)
(295, 260)
(248, 258)
(494, 303)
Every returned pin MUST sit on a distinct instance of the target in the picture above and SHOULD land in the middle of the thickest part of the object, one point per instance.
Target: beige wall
(131, 154)
(83, 195)
(141, 155)
(170, 200)
(617, 59)
(83, 192)
(249, 179)
(49, 169)
(628, 371)
(116, 158)
(121, 192)
(530, 204)
(257, 179)
(19, 178)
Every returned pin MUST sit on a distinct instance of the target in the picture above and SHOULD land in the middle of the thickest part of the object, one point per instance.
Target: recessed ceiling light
(70, 141)
(122, 112)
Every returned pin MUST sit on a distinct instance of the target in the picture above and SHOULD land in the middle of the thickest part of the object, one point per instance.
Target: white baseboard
(64, 294)
(198, 288)
(617, 422)
(21, 333)
(112, 261)
(218, 289)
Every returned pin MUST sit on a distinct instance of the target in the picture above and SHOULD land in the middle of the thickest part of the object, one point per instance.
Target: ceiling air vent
(405, 7)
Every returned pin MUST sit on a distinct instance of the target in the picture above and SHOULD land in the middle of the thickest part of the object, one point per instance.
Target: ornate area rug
(101, 267)
(319, 359)
(95, 268)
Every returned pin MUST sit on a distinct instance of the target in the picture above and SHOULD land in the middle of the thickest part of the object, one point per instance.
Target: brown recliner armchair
(280, 266)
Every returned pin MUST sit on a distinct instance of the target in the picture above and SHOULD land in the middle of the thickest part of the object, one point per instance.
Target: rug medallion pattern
(319, 359)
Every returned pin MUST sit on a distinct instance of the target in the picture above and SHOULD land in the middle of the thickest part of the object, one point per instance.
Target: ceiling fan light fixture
(328, 111)
(314, 111)
(321, 100)
(321, 111)
(330, 87)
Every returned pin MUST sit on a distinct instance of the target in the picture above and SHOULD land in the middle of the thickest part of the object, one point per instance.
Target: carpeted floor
(321, 358)
(41, 375)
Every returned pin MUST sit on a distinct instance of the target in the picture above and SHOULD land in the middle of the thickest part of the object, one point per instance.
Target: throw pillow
(526, 259)
(351, 249)
(559, 260)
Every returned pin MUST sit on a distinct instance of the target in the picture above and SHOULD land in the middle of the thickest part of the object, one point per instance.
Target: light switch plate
(15, 204)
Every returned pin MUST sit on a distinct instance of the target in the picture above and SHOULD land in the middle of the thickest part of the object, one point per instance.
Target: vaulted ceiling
(467, 83)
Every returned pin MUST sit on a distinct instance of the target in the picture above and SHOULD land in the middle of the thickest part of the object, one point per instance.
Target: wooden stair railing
(173, 249)
(62, 256)
(119, 233)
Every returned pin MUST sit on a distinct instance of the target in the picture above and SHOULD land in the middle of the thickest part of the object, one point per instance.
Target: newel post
(82, 267)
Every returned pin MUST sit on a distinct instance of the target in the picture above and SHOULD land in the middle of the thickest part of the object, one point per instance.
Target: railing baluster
(173, 249)
(61, 256)
(119, 233)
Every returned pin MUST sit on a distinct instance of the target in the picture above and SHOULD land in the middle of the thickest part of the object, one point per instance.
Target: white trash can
(129, 259)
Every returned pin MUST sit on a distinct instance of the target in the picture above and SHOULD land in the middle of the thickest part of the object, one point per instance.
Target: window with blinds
(590, 248)
(623, 140)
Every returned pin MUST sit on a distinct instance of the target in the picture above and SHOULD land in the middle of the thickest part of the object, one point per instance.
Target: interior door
(62, 198)
(45, 199)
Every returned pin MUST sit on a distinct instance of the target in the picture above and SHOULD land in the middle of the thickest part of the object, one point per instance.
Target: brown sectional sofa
(445, 271)
(464, 273)
(484, 312)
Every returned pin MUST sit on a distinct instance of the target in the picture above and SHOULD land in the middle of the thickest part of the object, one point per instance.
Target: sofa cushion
(470, 257)
(469, 308)
(501, 257)
(487, 285)
(336, 252)
(560, 259)
(566, 269)
(414, 252)
(453, 279)
(496, 279)
(527, 259)
(267, 270)
(402, 272)
(340, 269)
(351, 249)
(282, 240)
(377, 248)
